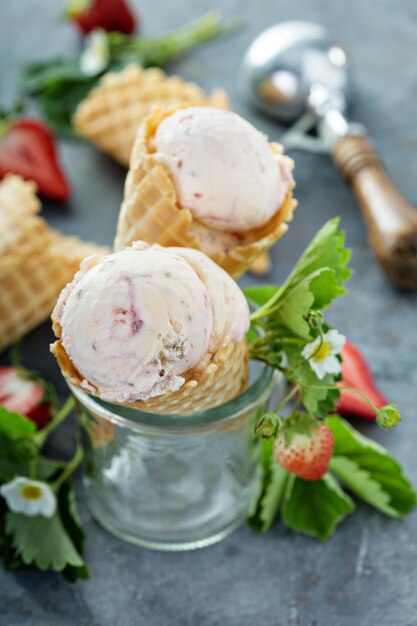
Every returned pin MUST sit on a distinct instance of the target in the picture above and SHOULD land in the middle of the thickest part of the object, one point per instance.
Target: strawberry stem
(70, 468)
(42, 435)
(160, 50)
(287, 398)
(346, 388)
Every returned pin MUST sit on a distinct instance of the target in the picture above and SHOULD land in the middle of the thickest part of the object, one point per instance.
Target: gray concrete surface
(365, 575)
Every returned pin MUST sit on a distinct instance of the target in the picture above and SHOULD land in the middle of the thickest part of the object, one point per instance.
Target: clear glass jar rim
(132, 418)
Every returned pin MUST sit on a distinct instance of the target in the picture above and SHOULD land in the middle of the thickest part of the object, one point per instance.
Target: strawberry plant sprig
(307, 456)
(39, 524)
(60, 84)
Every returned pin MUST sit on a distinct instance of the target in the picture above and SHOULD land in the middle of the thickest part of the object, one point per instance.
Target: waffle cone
(112, 112)
(35, 261)
(18, 208)
(150, 209)
(224, 378)
(30, 285)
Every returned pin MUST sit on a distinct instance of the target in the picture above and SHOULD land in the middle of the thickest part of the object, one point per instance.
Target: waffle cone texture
(224, 378)
(111, 114)
(36, 262)
(151, 212)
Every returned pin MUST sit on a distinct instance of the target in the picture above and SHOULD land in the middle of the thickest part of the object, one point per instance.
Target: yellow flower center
(31, 492)
(323, 352)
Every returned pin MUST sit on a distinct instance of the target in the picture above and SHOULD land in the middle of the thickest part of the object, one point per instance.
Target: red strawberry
(27, 148)
(356, 373)
(305, 455)
(25, 396)
(111, 15)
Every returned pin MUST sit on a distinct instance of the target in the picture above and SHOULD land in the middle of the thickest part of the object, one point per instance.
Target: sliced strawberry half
(356, 373)
(27, 148)
(23, 395)
(111, 15)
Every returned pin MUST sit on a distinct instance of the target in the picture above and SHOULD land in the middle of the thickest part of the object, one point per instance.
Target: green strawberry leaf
(271, 489)
(316, 280)
(315, 507)
(261, 294)
(265, 460)
(318, 400)
(10, 466)
(69, 515)
(369, 471)
(72, 524)
(326, 249)
(271, 501)
(8, 554)
(42, 542)
(14, 424)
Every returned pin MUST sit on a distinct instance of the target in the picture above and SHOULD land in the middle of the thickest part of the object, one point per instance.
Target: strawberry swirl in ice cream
(224, 170)
(135, 321)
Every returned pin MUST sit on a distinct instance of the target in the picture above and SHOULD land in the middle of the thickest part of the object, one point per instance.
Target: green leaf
(319, 401)
(46, 468)
(69, 515)
(271, 488)
(8, 554)
(315, 507)
(368, 470)
(316, 280)
(71, 521)
(261, 294)
(326, 250)
(41, 75)
(59, 84)
(9, 465)
(271, 501)
(58, 107)
(14, 424)
(42, 542)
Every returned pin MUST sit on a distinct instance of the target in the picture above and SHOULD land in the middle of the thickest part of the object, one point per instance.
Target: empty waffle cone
(151, 212)
(111, 114)
(224, 378)
(35, 261)
(18, 207)
(30, 285)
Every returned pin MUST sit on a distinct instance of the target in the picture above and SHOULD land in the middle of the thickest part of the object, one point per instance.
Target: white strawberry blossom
(322, 353)
(30, 497)
(96, 54)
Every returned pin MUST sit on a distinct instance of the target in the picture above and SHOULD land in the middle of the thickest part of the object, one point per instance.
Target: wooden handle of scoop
(391, 220)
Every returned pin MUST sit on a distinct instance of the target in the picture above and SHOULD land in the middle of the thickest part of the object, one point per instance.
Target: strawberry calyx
(76, 7)
(7, 116)
(298, 423)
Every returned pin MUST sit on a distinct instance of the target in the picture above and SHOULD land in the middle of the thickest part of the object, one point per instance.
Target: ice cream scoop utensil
(294, 71)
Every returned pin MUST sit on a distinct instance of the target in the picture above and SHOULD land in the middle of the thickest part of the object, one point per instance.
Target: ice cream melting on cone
(135, 322)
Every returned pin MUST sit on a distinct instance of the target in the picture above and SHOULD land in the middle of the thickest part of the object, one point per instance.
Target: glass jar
(173, 482)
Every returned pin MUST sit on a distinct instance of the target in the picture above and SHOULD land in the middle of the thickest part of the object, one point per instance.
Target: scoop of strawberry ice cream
(223, 169)
(134, 322)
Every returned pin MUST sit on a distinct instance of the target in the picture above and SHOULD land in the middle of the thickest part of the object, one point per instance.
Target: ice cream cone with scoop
(154, 328)
(206, 179)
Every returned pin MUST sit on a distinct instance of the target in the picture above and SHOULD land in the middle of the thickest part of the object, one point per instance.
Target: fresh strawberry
(27, 148)
(356, 373)
(305, 455)
(23, 395)
(111, 15)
